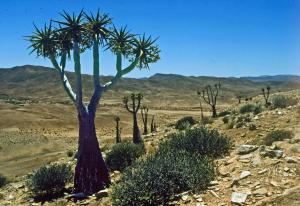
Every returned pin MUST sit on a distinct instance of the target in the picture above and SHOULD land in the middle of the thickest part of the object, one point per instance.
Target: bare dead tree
(209, 95)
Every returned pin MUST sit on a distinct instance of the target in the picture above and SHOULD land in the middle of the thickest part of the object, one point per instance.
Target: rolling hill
(37, 83)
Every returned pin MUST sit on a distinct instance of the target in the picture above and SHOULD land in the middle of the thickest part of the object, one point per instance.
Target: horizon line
(266, 75)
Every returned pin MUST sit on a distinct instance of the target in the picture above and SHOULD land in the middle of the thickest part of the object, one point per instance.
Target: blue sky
(197, 37)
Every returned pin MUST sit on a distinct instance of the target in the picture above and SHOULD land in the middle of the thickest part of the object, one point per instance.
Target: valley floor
(36, 134)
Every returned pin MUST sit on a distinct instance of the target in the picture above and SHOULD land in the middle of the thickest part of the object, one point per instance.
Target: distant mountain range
(263, 78)
(43, 83)
(275, 78)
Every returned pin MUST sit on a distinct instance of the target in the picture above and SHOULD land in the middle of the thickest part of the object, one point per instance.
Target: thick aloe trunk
(214, 111)
(146, 126)
(136, 131)
(91, 173)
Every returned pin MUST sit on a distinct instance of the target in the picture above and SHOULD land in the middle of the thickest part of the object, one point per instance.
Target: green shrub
(225, 119)
(247, 108)
(49, 180)
(224, 113)
(277, 135)
(206, 120)
(123, 155)
(157, 179)
(280, 101)
(198, 140)
(185, 122)
(3, 180)
(257, 109)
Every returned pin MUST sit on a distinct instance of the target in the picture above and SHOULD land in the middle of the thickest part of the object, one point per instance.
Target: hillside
(38, 83)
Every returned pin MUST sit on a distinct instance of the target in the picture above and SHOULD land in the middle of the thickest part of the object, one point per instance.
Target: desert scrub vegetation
(280, 101)
(156, 180)
(254, 108)
(185, 122)
(206, 120)
(3, 180)
(224, 113)
(277, 135)
(247, 108)
(49, 180)
(123, 155)
(198, 140)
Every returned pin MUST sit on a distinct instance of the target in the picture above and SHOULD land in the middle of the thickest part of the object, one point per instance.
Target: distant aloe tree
(118, 130)
(144, 113)
(133, 108)
(239, 98)
(201, 108)
(153, 127)
(67, 40)
(210, 95)
(266, 95)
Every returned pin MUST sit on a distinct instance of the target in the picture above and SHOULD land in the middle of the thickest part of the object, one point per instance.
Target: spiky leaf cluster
(98, 25)
(121, 41)
(138, 96)
(84, 29)
(43, 42)
(148, 51)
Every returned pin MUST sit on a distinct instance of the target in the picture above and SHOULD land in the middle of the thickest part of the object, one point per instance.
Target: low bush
(247, 108)
(257, 109)
(185, 122)
(277, 135)
(123, 155)
(49, 180)
(224, 113)
(3, 180)
(156, 180)
(198, 140)
(206, 120)
(280, 101)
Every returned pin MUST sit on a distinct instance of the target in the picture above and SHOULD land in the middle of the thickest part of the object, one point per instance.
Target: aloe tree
(201, 108)
(144, 113)
(118, 130)
(153, 125)
(67, 39)
(133, 109)
(239, 98)
(266, 95)
(210, 95)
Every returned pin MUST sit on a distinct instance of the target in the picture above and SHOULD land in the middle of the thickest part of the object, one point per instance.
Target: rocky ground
(252, 174)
